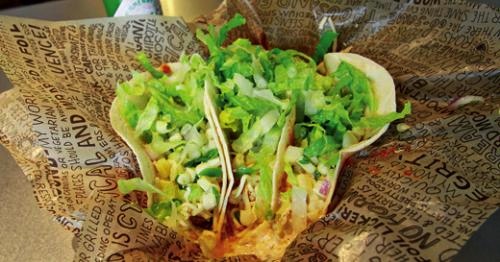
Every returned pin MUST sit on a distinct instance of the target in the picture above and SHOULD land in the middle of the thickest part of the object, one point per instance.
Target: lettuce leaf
(128, 185)
(264, 191)
(214, 40)
(148, 116)
(252, 105)
(236, 21)
(160, 210)
(209, 39)
(260, 127)
(236, 119)
(144, 61)
(325, 43)
(374, 122)
(352, 81)
(161, 146)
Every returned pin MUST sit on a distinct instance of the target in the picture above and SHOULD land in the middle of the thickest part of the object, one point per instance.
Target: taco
(344, 116)
(253, 111)
(164, 117)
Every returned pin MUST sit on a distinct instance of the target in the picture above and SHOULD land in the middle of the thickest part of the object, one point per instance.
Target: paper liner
(414, 195)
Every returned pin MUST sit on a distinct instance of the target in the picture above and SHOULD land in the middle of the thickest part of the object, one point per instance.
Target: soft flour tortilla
(127, 134)
(286, 137)
(385, 96)
(227, 185)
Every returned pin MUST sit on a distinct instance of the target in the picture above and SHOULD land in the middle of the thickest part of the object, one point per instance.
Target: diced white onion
(191, 150)
(184, 179)
(293, 154)
(208, 201)
(309, 167)
(323, 169)
(175, 137)
(204, 183)
(161, 127)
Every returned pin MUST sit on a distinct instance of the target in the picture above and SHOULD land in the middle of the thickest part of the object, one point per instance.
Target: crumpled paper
(417, 194)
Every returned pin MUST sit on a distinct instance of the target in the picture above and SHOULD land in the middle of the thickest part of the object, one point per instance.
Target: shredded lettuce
(235, 118)
(337, 104)
(374, 122)
(265, 188)
(161, 146)
(255, 106)
(353, 82)
(261, 126)
(169, 189)
(130, 113)
(325, 43)
(236, 21)
(144, 61)
(215, 40)
(160, 210)
(147, 117)
(129, 185)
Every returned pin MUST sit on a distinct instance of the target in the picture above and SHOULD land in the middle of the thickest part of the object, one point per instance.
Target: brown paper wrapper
(414, 195)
